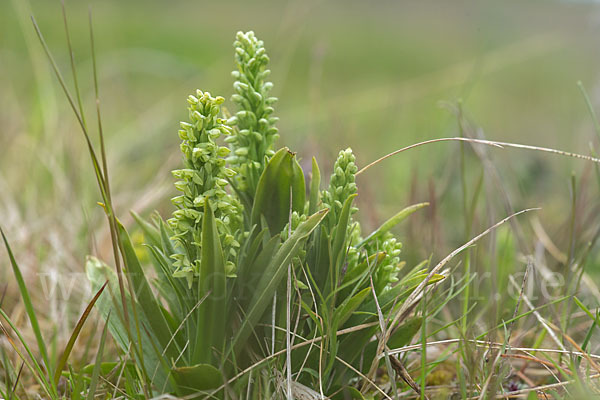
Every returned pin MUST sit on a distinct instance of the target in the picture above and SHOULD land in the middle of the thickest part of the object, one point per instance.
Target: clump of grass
(216, 300)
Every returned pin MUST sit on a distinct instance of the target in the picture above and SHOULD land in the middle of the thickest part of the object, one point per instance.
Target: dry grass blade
(521, 293)
(401, 370)
(296, 346)
(539, 317)
(549, 245)
(579, 349)
(535, 389)
(33, 366)
(547, 364)
(488, 344)
(388, 363)
(492, 143)
(417, 292)
(363, 376)
(14, 389)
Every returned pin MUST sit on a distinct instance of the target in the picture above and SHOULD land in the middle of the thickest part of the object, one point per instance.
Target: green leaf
(144, 295)
(197, 378)
(281, 178)
(595, 322)
(210, 331)
(318, 257)
(348, 393)
(251, 251)
(359, 346)
(393, 297)
(533, 395)
(247, 249)
(108, 366)
(361, 269)
(109, 304)
(405, 332)
(390, 223)
(354, 393)
(69, 347)
(315, 192)
(172, 289)
(399, 293)
(151, 233)
(250, 275)
(272, 276)
(348, 306)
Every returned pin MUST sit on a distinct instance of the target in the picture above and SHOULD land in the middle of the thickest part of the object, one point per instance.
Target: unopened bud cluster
(341, 186)
(203, 180)
(254, 132)
(387, 272)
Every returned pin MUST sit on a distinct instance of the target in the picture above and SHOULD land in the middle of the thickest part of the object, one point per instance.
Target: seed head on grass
(203, 180)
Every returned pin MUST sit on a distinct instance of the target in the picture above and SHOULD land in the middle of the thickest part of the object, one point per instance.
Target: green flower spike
(341, 186)
(254, 132)
(387, 272)
(203, 179)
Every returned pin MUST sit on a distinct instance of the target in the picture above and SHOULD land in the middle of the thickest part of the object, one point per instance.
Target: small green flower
(203, 179)
(254, 132)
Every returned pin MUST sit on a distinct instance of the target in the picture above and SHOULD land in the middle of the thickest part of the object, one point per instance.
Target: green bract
(203, 180)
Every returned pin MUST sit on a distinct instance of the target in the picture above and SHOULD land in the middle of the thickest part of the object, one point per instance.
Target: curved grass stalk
(492, 143)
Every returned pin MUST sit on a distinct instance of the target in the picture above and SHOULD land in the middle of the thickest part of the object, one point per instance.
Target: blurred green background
(374, 76)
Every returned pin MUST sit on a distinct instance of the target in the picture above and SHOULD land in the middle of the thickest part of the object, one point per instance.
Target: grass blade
(492, 143)
(393, 221)
(98, 363)
(65, 356)
(28, 305)
(35, 368)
